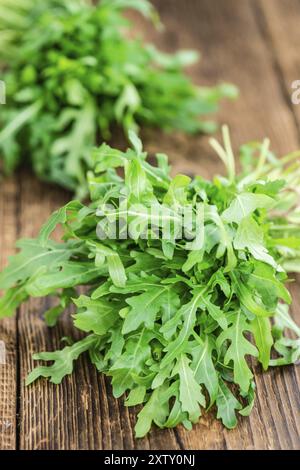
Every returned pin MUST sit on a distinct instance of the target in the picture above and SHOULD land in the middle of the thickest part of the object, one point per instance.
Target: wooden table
(254, 44)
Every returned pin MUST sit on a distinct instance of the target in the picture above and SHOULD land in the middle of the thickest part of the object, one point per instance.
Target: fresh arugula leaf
(261, 329)
(190, 394)
(131, 361)
(10, 301)
(63, 361)
(227, 404)
(249, 235)
(115, 266)
(33, 257)
(156, 410)
(244, 205)
(250, 397)
(171, 319)
(72, 73)
(52, 314)
(96, 316)
(237, 350)
(144, 308)
(203, 366)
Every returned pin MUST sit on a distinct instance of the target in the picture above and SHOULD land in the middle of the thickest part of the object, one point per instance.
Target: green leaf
(58, 217)
(128, 102)
(284, 320)
(263, 279)
(131, 361)
(11, 300)
(288, 350)
(63, 361)
(136, 181)
(238, 349)
(20, 120)
(214, 311)
(69, 274)
(244, 205)
(52, 314)
(96, 316)
(203, 366)
(31, 259)
(177, 192)
(177, 416)
(115, 266)
(291, 265)
(136, 396)
(246, 299)
(250, 397)
(250, 235)
(144, 308)
(261, 328)
(188, 313)
(154, 411)
(190, 394)
(227, 404)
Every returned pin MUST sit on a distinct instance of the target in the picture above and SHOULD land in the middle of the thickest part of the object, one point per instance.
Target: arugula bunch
(72, 72)
(172, 320)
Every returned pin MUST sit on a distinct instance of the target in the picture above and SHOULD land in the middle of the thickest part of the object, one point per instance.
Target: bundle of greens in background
(71, 72)
(172, 320)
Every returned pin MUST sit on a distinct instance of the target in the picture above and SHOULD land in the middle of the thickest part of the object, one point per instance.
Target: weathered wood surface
(8, 327)
(254, 44)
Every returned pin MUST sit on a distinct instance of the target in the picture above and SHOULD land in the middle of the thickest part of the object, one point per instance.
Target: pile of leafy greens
(72, 72)
(172, 320)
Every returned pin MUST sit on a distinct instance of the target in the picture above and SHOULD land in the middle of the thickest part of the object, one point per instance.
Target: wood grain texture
(8, 327)
(243, 42)
(279, 22)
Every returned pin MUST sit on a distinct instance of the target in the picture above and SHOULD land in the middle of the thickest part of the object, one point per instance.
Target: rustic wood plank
(229, 39)
(279, 23)
(81, 413)
(8, 327)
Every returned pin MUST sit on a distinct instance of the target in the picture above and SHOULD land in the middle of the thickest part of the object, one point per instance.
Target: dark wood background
(254, 44)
